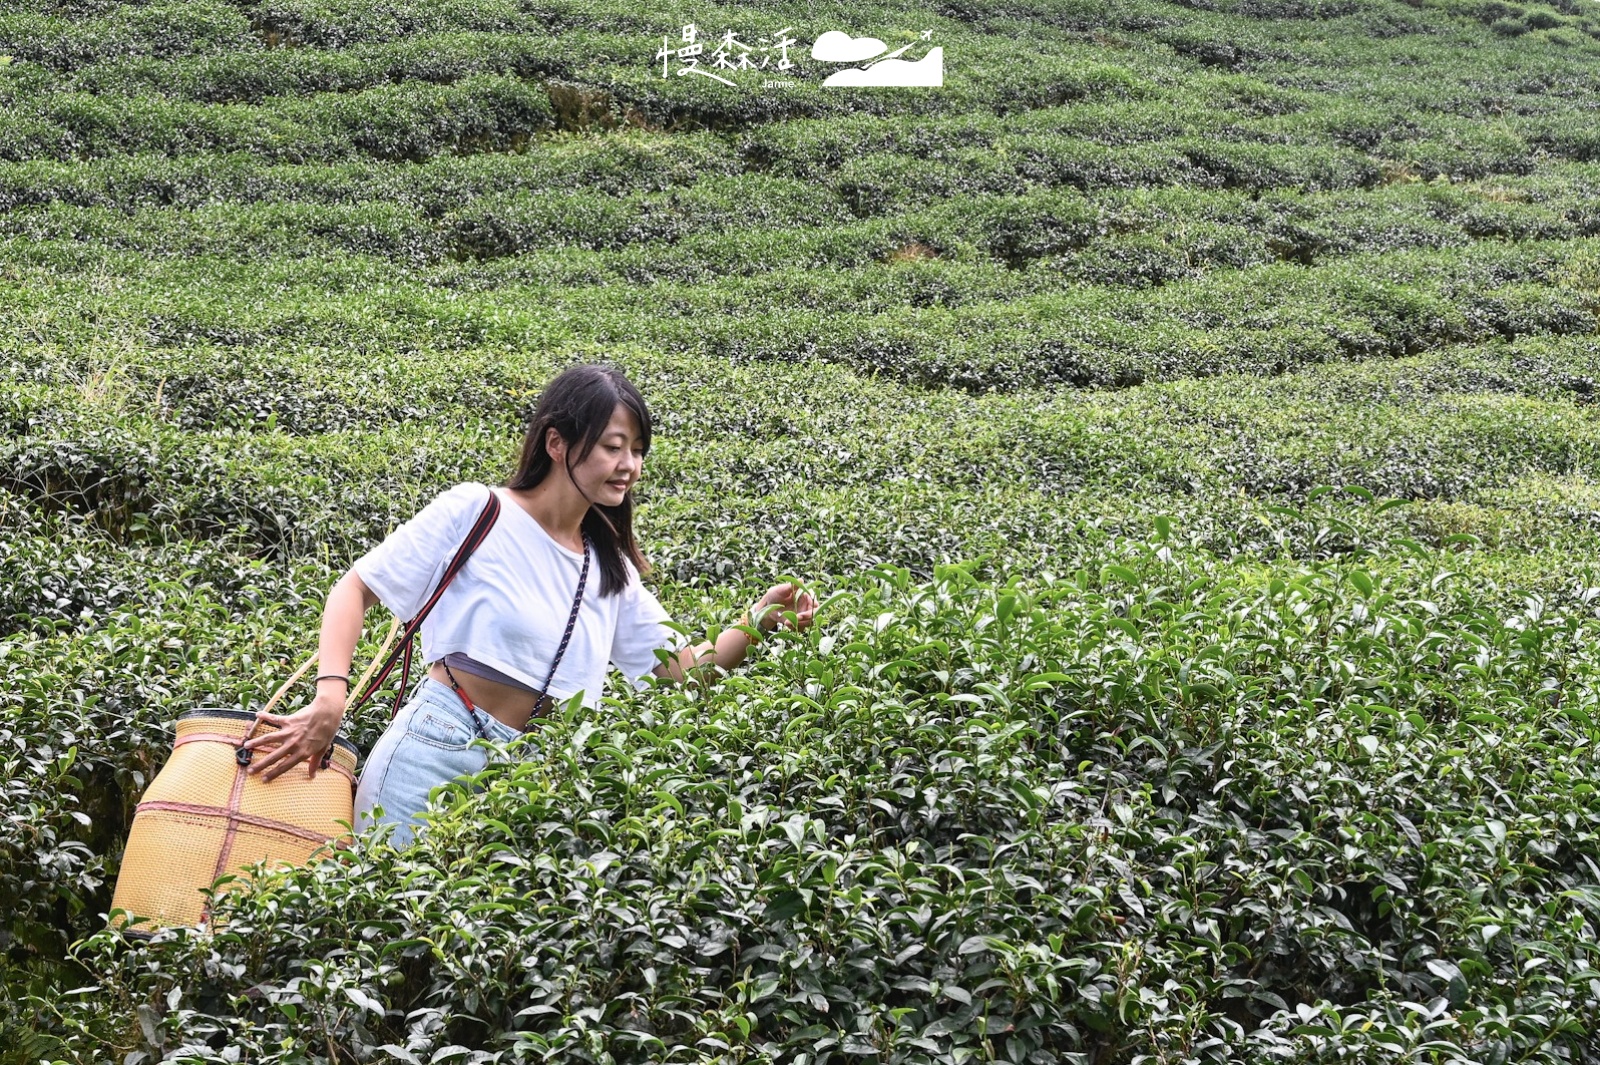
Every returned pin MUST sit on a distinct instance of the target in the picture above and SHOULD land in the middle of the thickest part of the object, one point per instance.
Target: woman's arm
(305, 736)
(733, 644)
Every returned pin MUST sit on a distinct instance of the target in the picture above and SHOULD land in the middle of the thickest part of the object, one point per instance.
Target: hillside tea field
(1187, 416)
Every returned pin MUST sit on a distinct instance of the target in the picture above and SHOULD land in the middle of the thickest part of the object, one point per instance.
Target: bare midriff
(506, 704)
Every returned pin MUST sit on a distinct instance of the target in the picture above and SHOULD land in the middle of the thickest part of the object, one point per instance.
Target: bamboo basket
(205, 815)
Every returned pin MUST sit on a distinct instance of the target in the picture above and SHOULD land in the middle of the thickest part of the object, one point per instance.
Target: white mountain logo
(887, 70)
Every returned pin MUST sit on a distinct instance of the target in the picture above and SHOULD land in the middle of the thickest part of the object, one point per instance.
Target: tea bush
(256, 77)
(433, 187)
(978, 817)
(410, 121)
(339, 25)
(163, 31)
(531, 221)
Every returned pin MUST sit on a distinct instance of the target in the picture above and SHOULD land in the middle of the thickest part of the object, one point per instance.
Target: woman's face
(616, 461)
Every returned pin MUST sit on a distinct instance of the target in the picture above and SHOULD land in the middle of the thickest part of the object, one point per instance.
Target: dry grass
(1395, 172)
(580, 107)
(916, 251)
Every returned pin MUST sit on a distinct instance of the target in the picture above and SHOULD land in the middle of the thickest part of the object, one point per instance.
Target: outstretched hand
(773, 608)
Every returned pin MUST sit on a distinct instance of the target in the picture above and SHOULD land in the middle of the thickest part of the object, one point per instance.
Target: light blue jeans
(427, 744)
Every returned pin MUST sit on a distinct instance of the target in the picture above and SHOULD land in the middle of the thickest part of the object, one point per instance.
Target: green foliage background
(1186, 413)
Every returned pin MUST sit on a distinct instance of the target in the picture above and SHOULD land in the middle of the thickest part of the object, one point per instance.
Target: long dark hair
(578, 404)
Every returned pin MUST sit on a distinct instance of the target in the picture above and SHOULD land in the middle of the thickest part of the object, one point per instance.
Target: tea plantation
(1187, 415)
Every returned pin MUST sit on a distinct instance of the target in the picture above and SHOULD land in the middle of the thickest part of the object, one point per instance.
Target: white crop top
(509, 605)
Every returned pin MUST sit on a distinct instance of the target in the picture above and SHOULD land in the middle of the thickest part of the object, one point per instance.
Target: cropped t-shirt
(508, 606)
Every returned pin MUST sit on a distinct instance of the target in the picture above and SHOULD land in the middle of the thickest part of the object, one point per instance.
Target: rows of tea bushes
(182, 646)
(1513, 20)
(121, 636)
(1069, 818)
(872, 163)
(255, 77)
(409, 121)
(1449, 427)
(121, 528)
(285, 89)
(419, 118)
(424, 118)
(1186, 414)
(1266, 319)
(1087, 146)
(959, 211)
(783, 221)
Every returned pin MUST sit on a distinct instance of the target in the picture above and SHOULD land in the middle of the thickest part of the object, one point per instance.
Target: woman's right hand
(304, 736)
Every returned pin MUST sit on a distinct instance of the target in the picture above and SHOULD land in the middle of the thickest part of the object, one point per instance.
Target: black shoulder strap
(402, 649)
(545, 698)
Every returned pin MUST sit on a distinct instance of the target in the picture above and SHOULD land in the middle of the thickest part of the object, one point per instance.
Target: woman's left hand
(781, 598)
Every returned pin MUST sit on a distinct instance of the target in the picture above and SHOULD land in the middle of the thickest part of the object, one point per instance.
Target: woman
(504, 639)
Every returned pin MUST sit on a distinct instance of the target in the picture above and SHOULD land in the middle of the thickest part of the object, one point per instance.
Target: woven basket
(206, 815)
